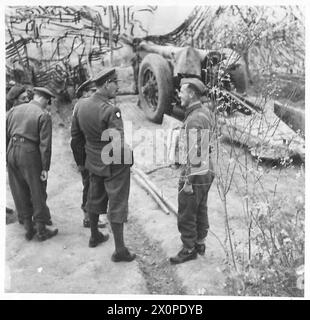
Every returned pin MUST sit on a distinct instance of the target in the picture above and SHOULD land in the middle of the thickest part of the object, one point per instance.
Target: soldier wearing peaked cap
(94, 117)
(78, 148)
(29, 141)
(104, 76)
(196, 176)
(85, 89)
(44, 92)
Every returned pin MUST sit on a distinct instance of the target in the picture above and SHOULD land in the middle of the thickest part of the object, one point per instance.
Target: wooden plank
(152, 187)
(157, 199)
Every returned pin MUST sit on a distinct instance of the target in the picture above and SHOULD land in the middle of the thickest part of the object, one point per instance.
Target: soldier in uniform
(193, 189)
(16, 96)
(94, 116)
(78, 149)
(85, 89)
(29, 141)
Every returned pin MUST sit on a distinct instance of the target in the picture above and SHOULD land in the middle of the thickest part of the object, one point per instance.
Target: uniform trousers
(85, 180)
(116, 188)
(24, 170)
(193, 222)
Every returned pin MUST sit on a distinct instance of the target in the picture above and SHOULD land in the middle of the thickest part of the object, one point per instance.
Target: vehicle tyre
(155, 84)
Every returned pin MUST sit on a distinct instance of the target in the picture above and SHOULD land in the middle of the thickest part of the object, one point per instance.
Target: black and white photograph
(155, 150)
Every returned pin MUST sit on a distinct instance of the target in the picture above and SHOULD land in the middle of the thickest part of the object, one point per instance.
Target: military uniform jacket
(197, 117)
(78, 139)
(30, 122)
(91, 117)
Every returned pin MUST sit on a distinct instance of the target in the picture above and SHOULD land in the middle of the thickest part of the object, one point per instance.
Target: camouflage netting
(63, 45)
(58, 44)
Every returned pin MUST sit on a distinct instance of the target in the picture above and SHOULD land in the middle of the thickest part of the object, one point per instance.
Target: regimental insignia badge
(118, 114)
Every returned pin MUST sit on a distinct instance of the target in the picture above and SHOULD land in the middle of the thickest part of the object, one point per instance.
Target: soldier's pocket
(31, 156)
(30, 148)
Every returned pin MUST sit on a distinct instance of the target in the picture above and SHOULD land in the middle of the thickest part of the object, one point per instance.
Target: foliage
(266, 254)
(264, 244)
(265, 249)
(275, 268)
(269, 39)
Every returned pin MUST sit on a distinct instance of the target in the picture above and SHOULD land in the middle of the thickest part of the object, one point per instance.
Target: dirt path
(65, 264)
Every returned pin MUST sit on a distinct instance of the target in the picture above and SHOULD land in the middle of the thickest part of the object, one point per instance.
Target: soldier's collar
(36, 103)
(193, 106)
(103, 97)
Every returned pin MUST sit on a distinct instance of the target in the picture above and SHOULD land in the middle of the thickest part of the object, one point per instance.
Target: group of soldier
(106, 186)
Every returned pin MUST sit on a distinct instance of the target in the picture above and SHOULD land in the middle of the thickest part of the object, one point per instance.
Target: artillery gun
(224, 74)
(163, 67)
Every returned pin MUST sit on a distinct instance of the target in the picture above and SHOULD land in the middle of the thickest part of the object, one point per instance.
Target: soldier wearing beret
(196, 179)
(96, 115)
(15, 96)
(78, 149)
(29, 141)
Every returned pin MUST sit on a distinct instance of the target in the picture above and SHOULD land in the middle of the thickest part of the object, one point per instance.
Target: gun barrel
(246, 103)
(168, 52)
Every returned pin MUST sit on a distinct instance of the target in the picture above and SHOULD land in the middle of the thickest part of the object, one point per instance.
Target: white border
(20, 296)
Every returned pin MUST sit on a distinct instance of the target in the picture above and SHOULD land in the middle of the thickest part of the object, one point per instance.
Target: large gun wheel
(155, 87)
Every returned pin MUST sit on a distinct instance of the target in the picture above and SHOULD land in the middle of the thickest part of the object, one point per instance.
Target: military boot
(30, 231)
(96, 237)
(9, 210)
(43, 233)
(184, 255)
(49, 222)
(121, 253)
(200, 248)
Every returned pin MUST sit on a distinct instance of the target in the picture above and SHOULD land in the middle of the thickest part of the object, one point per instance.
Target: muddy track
(70, 267)
(157, 276)
(156, 269)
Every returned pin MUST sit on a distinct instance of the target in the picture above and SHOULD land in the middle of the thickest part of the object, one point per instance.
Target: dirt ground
(65, 264)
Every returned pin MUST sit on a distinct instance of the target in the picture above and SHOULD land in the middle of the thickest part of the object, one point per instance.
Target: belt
(18, 139)
(22, 140)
